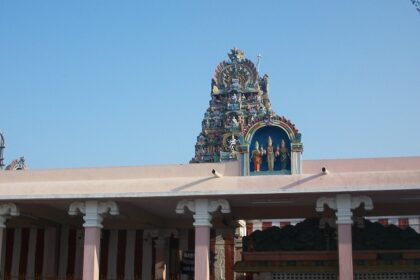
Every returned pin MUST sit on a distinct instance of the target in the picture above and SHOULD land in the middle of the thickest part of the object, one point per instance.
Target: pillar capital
(6, 211)
(93, 211)
(202, 209)
(344, 204)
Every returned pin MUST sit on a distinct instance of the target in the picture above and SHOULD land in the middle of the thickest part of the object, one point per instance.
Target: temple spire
(259, 56)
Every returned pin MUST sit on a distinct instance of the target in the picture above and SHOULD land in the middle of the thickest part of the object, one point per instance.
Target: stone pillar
(202, 223)
(219, 263)
(30, 267)
(63, 255)
(130, 251)
(112, 254)
(202, 251)
(165, 250)
(49, 263)
(6, 210)
(160, 265)
(240, 232)
(93, 216)
(148, 236)
(344, 204)
(183, 246)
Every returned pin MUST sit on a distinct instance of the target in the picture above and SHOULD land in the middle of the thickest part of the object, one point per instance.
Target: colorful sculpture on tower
(256, 157)
(270, 154)
(240, 121)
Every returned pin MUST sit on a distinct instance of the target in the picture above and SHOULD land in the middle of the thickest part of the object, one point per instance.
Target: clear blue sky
(116, 83)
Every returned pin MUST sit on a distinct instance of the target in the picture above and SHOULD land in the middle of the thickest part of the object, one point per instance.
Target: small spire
(1, 151)
(259, 56)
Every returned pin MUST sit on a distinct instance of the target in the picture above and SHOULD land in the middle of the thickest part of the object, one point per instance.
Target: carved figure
(262, 150)
(256, 157)
(241, 123)
(232, 144)
(17, 164)
(270, 154)
(234, 97)
(283, 154)
(215, 90)
(235, 123)
(264, 82)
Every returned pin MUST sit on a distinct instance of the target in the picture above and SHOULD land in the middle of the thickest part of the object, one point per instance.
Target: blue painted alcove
(261, 135)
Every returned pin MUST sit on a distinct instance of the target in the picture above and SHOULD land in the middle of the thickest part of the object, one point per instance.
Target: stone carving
(270, 154)
(202, 209)
(17, 164)
(93, 211)
(219, 264)
(256, 157)
(212, 206)
(7, 210)
(283, 154)
(343, 204)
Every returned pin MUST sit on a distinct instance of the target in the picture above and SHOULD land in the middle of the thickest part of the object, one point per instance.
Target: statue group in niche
(281, 153)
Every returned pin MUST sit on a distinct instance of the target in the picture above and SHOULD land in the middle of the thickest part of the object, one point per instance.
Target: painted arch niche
(266, 159)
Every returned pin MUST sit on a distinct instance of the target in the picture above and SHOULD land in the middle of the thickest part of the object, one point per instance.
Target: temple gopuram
(240, 123)
(246, 207)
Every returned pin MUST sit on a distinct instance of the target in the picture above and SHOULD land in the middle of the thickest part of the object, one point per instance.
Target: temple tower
(240, 123)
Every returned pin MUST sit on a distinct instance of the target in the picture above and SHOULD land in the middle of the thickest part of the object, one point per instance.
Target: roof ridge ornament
(236, 55)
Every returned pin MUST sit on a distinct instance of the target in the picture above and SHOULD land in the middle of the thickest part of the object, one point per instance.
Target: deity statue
(241, 123)
(270, 154)
(262, 150)
(256, 157)
(232, 144)
(235, 123)
(234, 97)
(264, 83)
(283, 153)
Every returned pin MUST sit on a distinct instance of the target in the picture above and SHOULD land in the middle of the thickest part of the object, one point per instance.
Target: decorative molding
(6, 211)
(221, 204)
(322, 201)
(202, 209)
(344, 204)
(366, 200)
(93, 211)
(185, 203)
